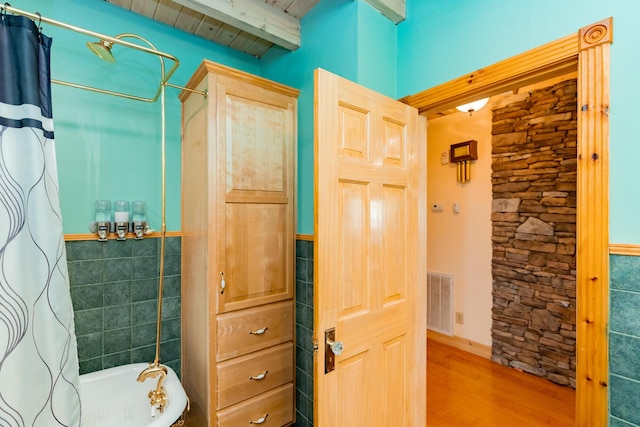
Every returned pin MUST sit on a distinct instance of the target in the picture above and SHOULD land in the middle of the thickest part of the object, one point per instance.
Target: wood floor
(467, 390)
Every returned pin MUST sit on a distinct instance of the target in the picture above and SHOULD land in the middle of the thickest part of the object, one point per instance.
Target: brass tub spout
(158, 397)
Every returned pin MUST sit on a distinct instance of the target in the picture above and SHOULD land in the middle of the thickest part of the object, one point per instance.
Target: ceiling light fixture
(472, 106)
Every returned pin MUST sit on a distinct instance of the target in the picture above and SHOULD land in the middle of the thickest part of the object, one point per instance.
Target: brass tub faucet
(158, 397)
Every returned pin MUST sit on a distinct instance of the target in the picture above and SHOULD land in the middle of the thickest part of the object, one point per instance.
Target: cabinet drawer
(272, 367)
(245, 331)
(275, 406)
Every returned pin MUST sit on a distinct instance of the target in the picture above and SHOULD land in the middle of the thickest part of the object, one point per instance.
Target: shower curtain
(38, 356)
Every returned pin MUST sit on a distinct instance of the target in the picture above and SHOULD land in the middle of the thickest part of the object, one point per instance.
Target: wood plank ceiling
(250, 26)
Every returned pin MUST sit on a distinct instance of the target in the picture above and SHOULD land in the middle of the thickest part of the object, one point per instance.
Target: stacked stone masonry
(534, 139)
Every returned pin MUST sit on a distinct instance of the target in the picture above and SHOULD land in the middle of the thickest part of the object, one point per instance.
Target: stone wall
(534, 138)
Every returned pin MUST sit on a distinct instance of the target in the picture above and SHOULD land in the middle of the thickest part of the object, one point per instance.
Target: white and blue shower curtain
(38, 356)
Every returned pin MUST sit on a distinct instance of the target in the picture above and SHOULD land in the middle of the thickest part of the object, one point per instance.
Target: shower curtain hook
(4, 9)
(39, 22)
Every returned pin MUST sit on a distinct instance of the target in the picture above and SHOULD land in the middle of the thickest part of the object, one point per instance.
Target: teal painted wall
(440, 41)
(377, 42)
(328, 40)
(108, 147)
(348, 38)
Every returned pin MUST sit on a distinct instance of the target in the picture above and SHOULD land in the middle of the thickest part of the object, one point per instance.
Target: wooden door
(255, 133)
(370, 257)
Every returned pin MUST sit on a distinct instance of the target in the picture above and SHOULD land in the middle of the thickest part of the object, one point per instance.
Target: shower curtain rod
(6, 7)
(154, 367)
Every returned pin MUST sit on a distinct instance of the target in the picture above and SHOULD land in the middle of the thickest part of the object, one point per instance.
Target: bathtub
(113, 397)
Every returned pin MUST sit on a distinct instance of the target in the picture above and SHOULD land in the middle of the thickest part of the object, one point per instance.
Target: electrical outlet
(459, 318)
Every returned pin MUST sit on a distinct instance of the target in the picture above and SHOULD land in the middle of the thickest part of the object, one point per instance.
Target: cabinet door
(256, 134)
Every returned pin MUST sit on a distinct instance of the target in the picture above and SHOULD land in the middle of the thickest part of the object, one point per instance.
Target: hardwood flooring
(467, 390)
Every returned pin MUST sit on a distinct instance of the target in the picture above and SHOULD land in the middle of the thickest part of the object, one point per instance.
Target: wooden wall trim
(77, 237)
(112, 236)
(592, 257)
(596, 34)
(588, 52)
(544, 62)
(461, 344)
(624, 249)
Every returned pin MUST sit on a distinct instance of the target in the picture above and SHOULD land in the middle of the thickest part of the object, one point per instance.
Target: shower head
(102, 49)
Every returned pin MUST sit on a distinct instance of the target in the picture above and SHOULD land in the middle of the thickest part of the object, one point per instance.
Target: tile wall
(624, 342)
(114, 290)
(304, 331)
(114, 294)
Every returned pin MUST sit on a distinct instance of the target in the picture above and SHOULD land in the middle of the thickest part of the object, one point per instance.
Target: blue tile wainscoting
(304, 332)
(624, 342)
(114, 290)
(114, 294)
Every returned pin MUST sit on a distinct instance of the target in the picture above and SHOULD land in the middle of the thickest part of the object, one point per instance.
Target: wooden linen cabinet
(238, 248)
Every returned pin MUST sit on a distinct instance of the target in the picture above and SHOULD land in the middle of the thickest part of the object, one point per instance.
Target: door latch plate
(329, 356)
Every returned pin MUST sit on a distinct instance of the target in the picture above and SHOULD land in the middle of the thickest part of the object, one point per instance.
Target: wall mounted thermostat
(444, 157)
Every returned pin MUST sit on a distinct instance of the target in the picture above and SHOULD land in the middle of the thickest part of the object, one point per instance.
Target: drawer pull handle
(259, 377)
(259, 420)
(259, 331)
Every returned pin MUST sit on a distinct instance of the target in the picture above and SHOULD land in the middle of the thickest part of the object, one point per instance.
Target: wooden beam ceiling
(256, 17)
(250, 26)
(395, 10)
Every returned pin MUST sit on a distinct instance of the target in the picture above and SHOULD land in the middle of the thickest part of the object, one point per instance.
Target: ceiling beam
(256, 17)
(395, 10)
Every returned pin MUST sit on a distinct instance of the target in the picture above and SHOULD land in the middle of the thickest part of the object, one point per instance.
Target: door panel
(352, 261)
(353, 372)
(370, 256)
(395, 356)
(393, 247)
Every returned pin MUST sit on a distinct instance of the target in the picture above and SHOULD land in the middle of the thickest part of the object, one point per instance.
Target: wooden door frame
(586, 51)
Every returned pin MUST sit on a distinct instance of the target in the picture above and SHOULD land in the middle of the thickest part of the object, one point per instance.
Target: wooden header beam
(256, 17)
(395, 10)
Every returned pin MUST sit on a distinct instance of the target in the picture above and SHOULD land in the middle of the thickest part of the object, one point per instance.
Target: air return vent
(440, 303)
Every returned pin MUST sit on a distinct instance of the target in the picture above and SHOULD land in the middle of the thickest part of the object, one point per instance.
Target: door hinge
(314, 341)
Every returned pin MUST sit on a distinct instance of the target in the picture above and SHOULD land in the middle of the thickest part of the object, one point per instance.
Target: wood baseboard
(462, 344)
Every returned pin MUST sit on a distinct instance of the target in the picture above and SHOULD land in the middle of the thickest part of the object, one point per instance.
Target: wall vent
(440, 303)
